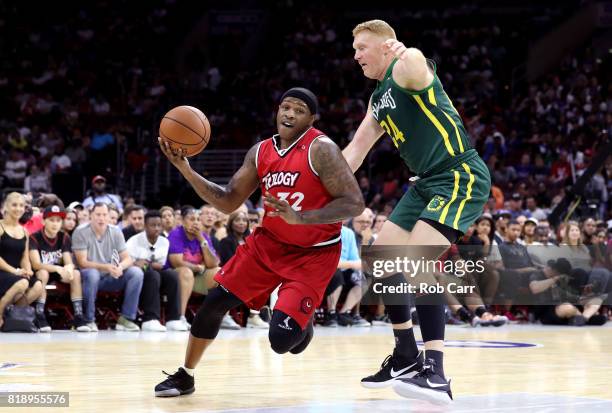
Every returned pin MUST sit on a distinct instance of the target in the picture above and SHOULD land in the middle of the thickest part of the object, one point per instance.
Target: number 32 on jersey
(392, 130)
(294, 199)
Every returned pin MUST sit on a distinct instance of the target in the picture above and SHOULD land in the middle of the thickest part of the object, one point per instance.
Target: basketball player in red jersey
(309, 189)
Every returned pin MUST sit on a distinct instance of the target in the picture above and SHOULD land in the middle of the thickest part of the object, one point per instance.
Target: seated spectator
(378, 223)
(17, 284)
(15, 169)
(349, 275)
(545, 285)
(106, 266)
(501, 223)
(208, 217)
(254, 219)
(37, 180)
(192, 255)
(113, 215)
(529, 231)
(167, 216)
(70, 221)
(81, 211)
(99, 194)
(517, 265)
(51, 257)
(220, 226)
(150, 251)
(135, 219)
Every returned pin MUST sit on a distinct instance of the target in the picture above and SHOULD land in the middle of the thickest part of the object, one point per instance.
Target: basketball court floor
(508, 369)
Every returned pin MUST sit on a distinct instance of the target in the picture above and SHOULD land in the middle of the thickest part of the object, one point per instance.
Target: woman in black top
(17, 284)
(237, 230)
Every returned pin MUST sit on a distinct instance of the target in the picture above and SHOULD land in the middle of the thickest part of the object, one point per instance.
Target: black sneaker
(265, 313)
(597, 320)
(391, 369)
(42, 323)
(345, 319)
(331, 320)
(426, 385)
(176, 384)
(577, 321)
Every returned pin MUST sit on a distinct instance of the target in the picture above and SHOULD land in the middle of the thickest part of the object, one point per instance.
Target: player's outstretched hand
(396, 47)
(176, 157)
(281, 209)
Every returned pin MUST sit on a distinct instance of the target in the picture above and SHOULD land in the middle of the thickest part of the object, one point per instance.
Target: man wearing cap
(99, 194)
(549, 285)
(515, 205)
(50, 254)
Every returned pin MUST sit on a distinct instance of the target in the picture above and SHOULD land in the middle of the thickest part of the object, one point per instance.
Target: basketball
(185, 127)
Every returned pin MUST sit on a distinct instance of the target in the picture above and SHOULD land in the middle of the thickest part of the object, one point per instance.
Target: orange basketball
(185, 127)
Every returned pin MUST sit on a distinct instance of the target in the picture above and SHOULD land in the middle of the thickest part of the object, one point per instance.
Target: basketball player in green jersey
(410, 105)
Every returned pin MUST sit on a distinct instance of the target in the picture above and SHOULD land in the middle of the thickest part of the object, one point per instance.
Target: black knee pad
(208, 318)
(285, 333)
(398, 306)
(399, 314)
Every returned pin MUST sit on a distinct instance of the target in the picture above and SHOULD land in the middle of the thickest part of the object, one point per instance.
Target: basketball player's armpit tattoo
(227, 199)
(338, 179)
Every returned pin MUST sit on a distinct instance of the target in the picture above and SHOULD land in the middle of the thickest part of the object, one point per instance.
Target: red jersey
(288, 175)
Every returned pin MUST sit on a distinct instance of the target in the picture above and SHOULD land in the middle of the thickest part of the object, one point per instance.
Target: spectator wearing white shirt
(37, 180)
(15, 169)
(149, 251)
(60, 163)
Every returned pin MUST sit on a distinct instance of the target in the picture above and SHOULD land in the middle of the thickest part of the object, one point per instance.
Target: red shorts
(262, 263)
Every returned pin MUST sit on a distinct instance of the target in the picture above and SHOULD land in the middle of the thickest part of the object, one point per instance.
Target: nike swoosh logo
(394, 373)
(434, 385)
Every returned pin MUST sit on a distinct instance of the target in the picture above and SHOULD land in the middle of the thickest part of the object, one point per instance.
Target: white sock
(189, 371)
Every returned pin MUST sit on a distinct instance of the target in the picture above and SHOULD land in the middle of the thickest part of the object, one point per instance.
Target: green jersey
(424, 125)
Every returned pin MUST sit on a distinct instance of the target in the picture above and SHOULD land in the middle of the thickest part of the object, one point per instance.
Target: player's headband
(306, 96)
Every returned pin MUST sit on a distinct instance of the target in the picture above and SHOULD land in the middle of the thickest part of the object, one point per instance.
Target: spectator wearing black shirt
(517, 264)
(134, 215)
(51, 257)
(237, 230)
(17, 284)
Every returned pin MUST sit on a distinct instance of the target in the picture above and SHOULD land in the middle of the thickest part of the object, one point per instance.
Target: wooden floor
(493, 370)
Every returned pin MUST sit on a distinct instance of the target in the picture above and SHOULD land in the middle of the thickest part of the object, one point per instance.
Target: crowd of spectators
(159, 260)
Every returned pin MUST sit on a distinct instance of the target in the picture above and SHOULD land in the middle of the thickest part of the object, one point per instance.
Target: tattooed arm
(226, 199)
(338, 179)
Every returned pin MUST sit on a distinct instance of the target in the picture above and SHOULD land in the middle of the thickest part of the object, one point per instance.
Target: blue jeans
(130, 283)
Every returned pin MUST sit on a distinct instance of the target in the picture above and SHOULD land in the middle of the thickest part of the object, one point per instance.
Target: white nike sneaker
(153, 325)
(255, 321)
(184, 321)
(228, 323)
(176, 325)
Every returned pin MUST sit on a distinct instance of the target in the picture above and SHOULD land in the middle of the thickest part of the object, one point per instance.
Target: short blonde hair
(378, 27)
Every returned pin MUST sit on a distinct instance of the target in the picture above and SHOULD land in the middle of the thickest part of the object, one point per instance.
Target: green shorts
(454, 197)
